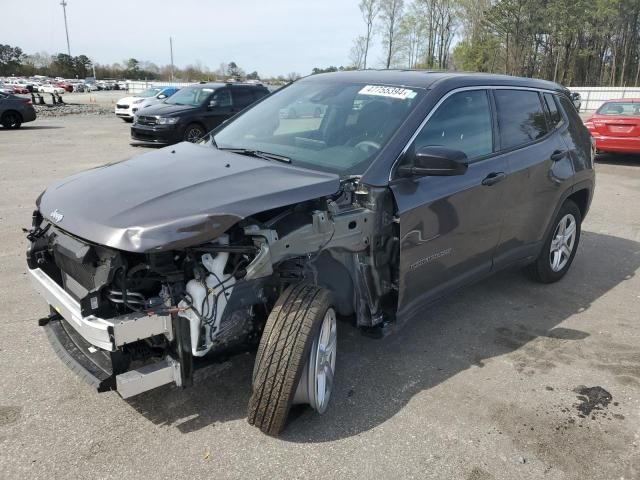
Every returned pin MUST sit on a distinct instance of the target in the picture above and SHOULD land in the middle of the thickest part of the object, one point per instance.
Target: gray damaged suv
(406, 186)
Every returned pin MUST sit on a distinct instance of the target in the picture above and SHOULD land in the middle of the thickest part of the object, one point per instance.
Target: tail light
(28, 102)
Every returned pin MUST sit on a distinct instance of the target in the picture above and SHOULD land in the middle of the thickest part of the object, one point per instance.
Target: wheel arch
(12, 111)
(582, 199)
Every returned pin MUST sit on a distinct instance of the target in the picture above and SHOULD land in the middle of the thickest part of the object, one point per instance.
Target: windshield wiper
(258, 154)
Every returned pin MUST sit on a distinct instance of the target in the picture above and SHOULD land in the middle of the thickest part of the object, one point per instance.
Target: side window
(258, 93)
(222, 97)
(576, 127)
(462, 122)
(520, 117)
(552, 108)
(242, 96)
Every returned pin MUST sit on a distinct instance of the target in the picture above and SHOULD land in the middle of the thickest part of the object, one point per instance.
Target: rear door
(449, 226)
(242, 97)
(540, 169)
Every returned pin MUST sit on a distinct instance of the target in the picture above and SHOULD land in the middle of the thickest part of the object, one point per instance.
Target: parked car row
(57, 85)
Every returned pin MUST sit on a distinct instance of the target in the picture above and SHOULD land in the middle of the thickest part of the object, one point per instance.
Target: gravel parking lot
(507, 379)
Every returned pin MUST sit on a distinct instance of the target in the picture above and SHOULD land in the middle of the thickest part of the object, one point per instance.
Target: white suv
(128, 106)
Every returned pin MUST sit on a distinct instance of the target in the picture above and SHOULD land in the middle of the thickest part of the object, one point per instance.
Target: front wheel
(560, 246)
(193, 133)
(296, 358)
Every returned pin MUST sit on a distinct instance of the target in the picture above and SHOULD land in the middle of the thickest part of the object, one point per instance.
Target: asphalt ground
(507, 379)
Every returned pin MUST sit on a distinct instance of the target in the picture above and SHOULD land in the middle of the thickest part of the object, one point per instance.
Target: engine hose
(124, 290)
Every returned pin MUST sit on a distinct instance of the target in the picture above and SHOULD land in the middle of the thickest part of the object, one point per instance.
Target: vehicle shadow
(375, 379)
(32, 127)
(618, 159)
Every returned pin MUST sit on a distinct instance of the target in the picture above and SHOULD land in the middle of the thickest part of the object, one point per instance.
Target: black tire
(11, 120)
(541, 270)
(193, 133)
(127, 120)
(284, 348)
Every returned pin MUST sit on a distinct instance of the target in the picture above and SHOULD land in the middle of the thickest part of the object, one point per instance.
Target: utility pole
(171, 51)
(66, 28)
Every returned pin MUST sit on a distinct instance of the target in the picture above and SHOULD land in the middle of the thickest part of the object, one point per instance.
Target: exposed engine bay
(213, 298)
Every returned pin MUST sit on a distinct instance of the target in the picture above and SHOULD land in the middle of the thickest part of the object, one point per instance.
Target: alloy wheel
(193, 134)
(316, 382)
(563, 242)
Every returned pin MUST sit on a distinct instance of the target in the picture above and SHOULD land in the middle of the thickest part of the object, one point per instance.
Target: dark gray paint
(454, 230)
(449, 229)
(163, 200)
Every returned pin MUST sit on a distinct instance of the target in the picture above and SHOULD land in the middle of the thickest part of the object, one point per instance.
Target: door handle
(558, 155)
(493, 178)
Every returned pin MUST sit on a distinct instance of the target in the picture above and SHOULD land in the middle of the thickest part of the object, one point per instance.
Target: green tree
(11, 59)
(63, 65)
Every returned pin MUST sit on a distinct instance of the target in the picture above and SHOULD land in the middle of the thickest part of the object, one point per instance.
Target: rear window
(555, 118)
(520, 117)
(627, 109)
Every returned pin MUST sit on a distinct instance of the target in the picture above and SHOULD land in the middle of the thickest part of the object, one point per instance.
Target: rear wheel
(560, 246)
(193, 133)
(11, 120)
(296, 359)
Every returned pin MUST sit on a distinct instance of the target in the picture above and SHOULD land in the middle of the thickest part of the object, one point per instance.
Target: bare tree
(358, 52)
(390, 17)
(369, 10)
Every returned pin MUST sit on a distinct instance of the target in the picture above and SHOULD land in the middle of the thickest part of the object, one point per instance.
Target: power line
(66, 28)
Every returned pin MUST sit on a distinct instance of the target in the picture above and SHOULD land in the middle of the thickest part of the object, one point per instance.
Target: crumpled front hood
(175, 197)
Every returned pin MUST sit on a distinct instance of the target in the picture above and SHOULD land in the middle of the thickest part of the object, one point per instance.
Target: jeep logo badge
(56, 216)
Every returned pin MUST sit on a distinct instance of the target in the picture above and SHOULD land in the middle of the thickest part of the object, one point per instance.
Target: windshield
(628, 109)
(322, 124)
(149, 92)
(190, 96)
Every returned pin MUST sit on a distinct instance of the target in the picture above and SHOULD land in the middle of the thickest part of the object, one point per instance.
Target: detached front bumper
(92, 346)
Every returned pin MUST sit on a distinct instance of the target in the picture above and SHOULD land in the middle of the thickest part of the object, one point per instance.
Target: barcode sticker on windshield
(393, 92)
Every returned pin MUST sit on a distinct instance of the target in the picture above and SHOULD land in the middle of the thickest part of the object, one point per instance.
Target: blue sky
(272, 37)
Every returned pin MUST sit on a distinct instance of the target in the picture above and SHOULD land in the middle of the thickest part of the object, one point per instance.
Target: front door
(450, 225)
(219, 109)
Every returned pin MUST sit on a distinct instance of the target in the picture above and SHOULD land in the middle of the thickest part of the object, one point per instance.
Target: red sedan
(18, 88)
(67, 86)
(616, 126)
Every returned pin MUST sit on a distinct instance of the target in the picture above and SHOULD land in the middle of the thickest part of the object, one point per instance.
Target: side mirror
(434, 161)
(213, 103)
(162, 96)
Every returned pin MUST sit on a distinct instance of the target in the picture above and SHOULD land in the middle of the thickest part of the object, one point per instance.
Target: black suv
(193, 111)
(387, 191)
